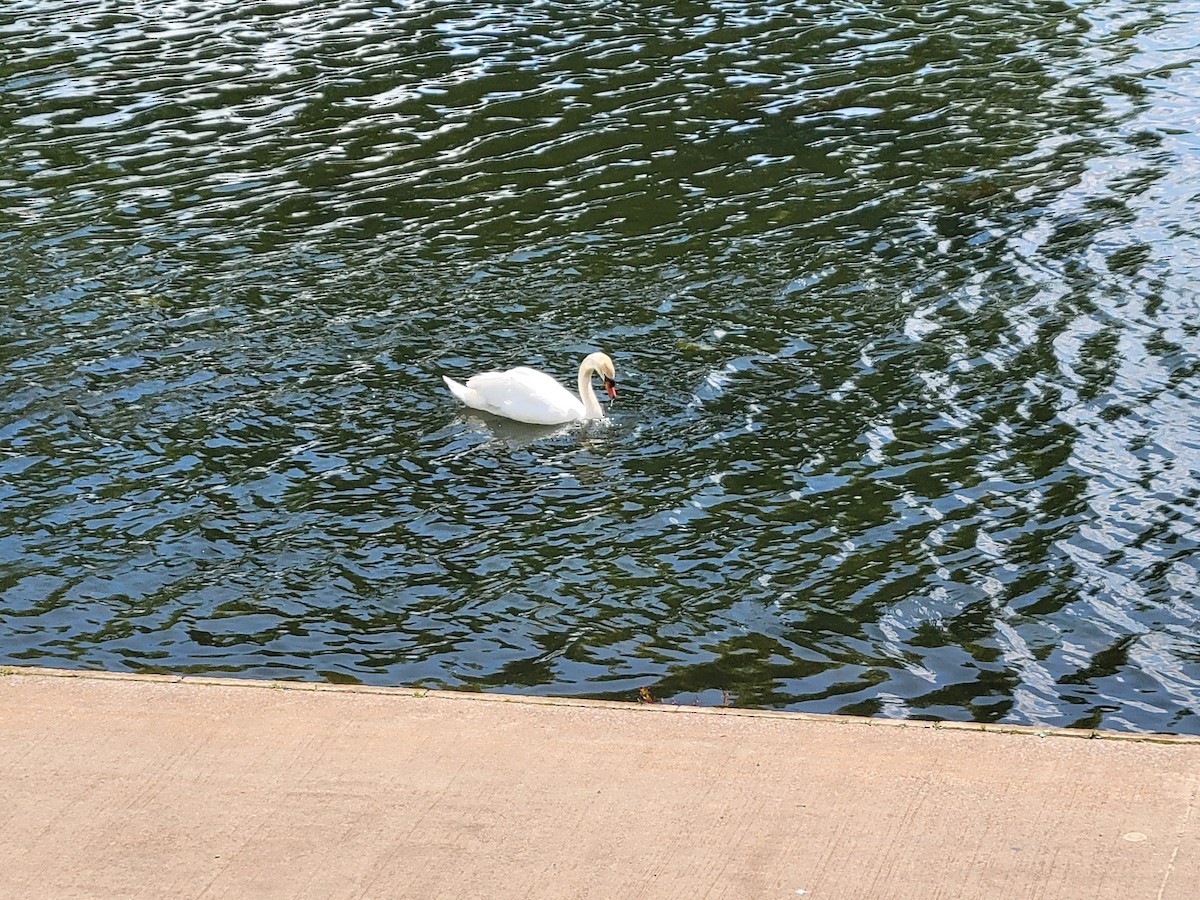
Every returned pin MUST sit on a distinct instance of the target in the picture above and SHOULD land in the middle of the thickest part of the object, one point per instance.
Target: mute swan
(528, 395)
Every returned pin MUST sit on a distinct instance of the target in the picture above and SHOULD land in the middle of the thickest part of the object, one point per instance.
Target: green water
(903, 299)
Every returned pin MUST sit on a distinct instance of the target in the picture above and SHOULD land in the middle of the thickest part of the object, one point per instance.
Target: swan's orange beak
(610, 388)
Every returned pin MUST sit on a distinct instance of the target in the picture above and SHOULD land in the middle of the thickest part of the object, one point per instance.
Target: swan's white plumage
(528, 395)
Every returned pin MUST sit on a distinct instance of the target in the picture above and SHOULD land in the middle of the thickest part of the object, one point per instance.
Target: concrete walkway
(114, 786)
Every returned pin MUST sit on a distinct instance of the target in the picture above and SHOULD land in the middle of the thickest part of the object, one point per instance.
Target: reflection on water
(902, 298)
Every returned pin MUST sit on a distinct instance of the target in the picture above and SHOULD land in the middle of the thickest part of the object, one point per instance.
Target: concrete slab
(208, 789)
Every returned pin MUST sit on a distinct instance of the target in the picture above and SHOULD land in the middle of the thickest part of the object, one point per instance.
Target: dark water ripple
(902, 297)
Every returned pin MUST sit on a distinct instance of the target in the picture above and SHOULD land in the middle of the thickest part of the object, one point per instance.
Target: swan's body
(528, 395)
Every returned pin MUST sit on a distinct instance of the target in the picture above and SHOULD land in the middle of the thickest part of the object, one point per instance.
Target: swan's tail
(461, 391)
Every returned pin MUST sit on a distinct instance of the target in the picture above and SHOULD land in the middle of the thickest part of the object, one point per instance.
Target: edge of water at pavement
(478, 697)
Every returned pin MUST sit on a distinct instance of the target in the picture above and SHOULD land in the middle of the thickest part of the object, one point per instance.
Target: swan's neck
(591, 406)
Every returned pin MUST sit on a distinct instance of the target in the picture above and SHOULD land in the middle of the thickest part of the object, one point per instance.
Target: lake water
(904, 300)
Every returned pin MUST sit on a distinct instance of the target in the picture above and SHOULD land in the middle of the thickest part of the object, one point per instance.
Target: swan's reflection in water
(514, 434)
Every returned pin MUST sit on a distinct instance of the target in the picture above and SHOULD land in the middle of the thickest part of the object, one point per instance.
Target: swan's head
(602, 365)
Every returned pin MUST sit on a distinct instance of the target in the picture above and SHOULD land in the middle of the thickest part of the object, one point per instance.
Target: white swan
(528, 395)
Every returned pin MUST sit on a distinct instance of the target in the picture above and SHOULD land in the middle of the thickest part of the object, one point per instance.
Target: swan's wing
(526, 395)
